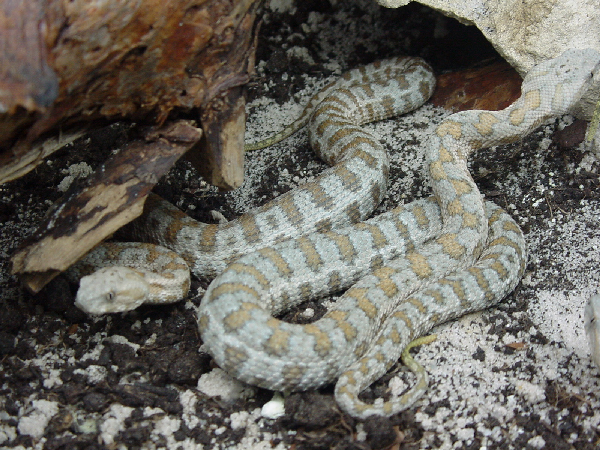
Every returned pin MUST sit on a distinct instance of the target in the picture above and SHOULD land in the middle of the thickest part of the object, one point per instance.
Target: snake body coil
(409, 269)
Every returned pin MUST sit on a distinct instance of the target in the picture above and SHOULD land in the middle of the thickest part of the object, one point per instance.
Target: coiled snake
(409, 269)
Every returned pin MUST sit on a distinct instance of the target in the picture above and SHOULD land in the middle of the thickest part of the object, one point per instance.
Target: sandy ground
(516, 376)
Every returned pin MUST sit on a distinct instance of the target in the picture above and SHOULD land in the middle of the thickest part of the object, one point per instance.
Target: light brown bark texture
(110, 198)
(70, 62)
(67, 65)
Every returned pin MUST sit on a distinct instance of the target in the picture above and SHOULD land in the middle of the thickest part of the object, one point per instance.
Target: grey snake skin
(406, 270)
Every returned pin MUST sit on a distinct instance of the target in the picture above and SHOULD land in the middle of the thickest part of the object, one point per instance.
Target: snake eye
(110, 296)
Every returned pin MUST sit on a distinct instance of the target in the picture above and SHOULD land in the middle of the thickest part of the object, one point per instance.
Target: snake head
(111, 290)
(592, 326)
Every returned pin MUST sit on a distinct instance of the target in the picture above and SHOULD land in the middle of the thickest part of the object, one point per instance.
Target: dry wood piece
(492, 87)
(219, 158)
(67, 62)
(68, 65)
(113, 196)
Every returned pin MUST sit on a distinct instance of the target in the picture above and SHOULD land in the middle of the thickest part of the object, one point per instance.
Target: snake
(405, 271)
(347, 192)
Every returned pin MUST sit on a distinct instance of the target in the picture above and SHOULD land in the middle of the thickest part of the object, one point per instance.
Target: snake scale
(407, 270)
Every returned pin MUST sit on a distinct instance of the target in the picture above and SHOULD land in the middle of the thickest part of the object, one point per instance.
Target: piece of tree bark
(492, 87)
(224, 124)
(70, 64)
(64, 62)
(113, 196)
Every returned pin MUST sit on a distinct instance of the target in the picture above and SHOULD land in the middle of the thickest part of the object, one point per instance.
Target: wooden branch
(220, 157)
(113, 196)
(64, 63)
(492, 87)
(68, 65)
